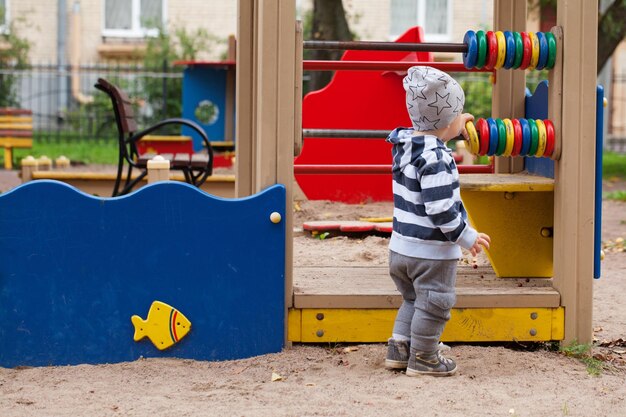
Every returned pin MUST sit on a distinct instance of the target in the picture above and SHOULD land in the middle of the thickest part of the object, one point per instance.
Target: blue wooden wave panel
(75, 268)
(537, 108)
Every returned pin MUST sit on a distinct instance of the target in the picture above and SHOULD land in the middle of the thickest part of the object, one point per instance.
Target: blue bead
(471, 56)
(509, 58)
(526, 139)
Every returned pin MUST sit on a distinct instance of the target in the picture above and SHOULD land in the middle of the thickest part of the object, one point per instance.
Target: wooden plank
(465, 325)
(505, 182)
(575, 171)
(371, 287)
(8, 111)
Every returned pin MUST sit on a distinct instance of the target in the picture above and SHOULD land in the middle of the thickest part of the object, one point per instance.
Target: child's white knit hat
(433, 98)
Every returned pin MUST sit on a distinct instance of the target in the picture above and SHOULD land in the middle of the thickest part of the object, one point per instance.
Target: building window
(133, 18)
(434, 16)
(4, 16)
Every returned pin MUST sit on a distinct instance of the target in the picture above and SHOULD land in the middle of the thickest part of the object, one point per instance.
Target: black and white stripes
(429, 219)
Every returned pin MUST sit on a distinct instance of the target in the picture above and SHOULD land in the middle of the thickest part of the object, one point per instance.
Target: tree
(611, 31)
(329, 23)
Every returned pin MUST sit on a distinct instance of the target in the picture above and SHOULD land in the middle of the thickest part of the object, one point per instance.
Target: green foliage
(14, 57)
(614, 165)
(582, 352)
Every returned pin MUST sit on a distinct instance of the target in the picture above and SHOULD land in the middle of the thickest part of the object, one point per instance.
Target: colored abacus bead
(474, 144)
(526, 137)
(501, 137)
(551, 50)
(508, 125)
(519, 50)
(483, 136)
(501, 49)
(481, 39)
(493, 136)
(517, 137)
(510, 50)
(541, 147)
(534, 57)
(543, 51)
(492, 50)
(550, 138)
(527, 52)
(469, 57)
(534, 135)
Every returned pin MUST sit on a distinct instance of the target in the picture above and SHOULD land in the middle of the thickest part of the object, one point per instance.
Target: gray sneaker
(430, 363)
(398, 353)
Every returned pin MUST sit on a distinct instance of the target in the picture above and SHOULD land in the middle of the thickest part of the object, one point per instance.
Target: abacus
(511, 137)
(509, 50)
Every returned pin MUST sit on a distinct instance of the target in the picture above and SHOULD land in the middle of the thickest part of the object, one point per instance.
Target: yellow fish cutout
(164, 326)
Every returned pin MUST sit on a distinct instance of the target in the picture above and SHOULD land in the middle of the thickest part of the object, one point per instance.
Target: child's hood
(402, 136)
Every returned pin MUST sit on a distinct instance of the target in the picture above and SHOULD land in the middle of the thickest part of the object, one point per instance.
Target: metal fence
(66, 106)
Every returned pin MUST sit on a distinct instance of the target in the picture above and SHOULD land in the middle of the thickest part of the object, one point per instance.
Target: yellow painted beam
(466, 325)
(164, 138)
(520, 225)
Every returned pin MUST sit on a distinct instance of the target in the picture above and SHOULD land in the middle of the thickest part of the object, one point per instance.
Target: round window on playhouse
(207, 112)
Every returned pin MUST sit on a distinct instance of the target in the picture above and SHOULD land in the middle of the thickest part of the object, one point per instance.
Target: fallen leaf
(350, 349)
(276, 377)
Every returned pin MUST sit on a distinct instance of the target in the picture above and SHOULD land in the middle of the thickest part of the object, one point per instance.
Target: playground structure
(512, 205)
(352, 304)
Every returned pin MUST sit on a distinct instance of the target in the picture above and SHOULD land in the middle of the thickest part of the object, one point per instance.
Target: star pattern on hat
(418, 91)
(427, 124)
(458, 108)
(445, 79)
(440, 103)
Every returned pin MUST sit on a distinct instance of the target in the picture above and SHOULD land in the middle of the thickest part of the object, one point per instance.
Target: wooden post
(62, 162)
(29, 165)
(158, 169)
(509, 90)
(266, 108)
(575, 171)
(44, 163)
(231, 72)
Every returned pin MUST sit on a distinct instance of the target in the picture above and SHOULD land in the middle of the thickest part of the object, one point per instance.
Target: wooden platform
(358, 304)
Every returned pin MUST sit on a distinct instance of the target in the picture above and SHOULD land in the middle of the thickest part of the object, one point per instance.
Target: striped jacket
(429, 220)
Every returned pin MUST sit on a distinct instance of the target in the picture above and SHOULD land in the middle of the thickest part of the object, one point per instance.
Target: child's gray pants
(428, 290)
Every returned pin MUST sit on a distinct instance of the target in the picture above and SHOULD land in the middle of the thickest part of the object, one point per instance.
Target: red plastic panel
(356, 100)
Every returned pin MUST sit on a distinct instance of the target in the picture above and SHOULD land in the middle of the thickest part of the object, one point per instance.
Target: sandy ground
(331, 380)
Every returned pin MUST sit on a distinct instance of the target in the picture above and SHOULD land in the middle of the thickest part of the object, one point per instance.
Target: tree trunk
(611, 31)
(329, 23)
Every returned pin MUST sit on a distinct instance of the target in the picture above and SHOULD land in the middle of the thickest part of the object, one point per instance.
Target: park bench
(16, 131)
(196, 167)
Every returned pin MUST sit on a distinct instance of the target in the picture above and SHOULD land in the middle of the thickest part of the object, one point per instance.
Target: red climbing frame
(371, 100)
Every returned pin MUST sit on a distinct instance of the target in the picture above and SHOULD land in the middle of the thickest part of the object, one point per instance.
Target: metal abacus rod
(386, 46)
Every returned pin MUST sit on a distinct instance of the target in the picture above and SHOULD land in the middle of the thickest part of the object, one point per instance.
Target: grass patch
(96, 152)
(619, 195)
(582, 352)
(614, 165)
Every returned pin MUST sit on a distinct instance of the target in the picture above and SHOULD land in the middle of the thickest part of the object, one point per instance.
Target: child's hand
(481, 240)
(466, 117)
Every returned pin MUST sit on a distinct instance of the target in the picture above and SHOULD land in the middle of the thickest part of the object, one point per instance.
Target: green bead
(551, 50)
(481, 37)
(501, 137)
(519, 50)
(534, 135)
